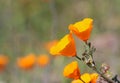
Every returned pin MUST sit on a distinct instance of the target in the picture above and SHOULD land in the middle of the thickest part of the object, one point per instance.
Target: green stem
(78, 58)
(81, 80)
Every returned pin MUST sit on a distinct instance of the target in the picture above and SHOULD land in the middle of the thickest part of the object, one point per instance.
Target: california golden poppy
(3, 62)
(82, 29)
(66, 46)
(26, 62)
(43, 60)
(86, 77)
(72, 70)
(94, 77)
(77, 81)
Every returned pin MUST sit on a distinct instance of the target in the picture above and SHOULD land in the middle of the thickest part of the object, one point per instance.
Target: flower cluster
(66, 47)
(29, 61)
(26, 62)
(72, 71)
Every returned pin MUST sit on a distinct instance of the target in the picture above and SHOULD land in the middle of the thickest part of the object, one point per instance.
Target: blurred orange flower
(66, 46)
(43, 60)
(94, 77)
(86, 77)
(82, 29)
(3, 62)
(77, 81)
(26, 62)
(48, 45)
(72, 70)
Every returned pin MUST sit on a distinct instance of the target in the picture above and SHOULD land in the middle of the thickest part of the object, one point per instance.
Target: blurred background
(26, 26)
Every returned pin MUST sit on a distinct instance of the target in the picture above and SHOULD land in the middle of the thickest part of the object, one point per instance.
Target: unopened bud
(104, 68)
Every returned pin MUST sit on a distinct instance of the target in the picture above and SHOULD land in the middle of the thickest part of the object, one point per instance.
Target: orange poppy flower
(66, 46)
(82, 29)
(77, 81)
(3, 62)
(26, 62)
(48, 45)
(94, 77)
(86, 77)
(72, 70)
(43, 60)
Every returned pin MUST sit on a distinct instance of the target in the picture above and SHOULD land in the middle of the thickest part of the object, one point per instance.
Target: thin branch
(102, 75)
(78, 58)
(95, 69)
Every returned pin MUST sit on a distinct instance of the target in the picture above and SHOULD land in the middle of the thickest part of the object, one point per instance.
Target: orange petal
(65, 46)
(86, 77)
(82, 29)
(77, 81)
(94, 77)
(72, 70)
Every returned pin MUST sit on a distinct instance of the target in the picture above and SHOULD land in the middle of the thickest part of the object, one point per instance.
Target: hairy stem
(102, 75)
(95, 69)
